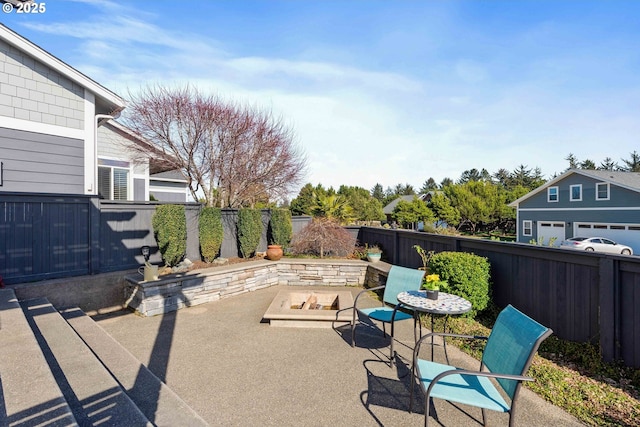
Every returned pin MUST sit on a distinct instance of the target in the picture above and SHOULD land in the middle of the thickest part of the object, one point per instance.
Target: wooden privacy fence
(584, 297)
(48, 236)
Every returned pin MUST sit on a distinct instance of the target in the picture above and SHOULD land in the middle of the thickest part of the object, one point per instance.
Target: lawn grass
(570, 375)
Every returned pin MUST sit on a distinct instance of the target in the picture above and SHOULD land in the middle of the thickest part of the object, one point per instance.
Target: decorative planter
(374, 256)
(274, 252)
(432, 294)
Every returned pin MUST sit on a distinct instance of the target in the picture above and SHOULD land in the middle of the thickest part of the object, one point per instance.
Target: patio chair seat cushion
(466, 389)
(383, 314)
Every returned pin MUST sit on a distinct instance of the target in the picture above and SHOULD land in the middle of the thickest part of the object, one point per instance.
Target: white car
(598, 244)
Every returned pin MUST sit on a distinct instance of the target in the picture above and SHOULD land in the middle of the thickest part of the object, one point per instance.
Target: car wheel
(588, 249)
(626, 252)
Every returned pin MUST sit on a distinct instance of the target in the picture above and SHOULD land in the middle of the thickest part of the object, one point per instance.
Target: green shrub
(170, 229)
(210, 232)
(249, 231)
(280, 227)
(467, 275)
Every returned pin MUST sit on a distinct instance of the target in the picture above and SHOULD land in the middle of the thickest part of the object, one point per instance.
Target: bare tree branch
(230, 155)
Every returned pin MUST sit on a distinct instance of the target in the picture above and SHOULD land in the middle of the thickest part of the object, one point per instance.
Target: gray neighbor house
(586, 203)
(58, 133)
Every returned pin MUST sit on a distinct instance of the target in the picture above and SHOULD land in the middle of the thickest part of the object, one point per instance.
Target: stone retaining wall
(185, 290)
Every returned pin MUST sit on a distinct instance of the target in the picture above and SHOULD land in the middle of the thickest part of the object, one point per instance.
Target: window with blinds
(113, 183)
(120, 184)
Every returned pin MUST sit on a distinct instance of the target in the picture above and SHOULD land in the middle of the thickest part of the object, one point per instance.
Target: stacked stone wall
(178, 291)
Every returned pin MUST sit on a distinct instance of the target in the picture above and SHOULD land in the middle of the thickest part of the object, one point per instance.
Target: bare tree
(231, 155)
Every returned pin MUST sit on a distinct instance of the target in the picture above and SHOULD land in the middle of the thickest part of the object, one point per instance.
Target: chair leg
(413, 380)
(426, 411)
(391, 358)
(484, 417)
(353, 329)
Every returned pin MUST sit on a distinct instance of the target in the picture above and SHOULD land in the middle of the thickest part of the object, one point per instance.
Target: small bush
(467, 275)
(211, 233)
(249, 231)
(323, 237)
(170, 229)
(280, 227)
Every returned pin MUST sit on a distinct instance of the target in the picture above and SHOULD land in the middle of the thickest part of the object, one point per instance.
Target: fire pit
(310, 309)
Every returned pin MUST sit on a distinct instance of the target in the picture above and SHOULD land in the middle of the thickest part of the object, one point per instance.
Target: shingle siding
(31, 91)
(39, 163)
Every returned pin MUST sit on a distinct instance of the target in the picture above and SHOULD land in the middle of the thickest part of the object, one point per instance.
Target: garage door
(627, 234)
(551, 232)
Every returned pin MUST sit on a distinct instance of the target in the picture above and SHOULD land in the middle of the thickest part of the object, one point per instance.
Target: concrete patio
(234, 369)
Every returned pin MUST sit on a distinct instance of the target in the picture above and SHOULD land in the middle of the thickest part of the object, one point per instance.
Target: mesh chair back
(401, 279)
(514, 340)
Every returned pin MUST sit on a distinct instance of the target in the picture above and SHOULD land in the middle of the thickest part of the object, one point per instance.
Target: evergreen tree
(303, 204)
(445, 182)
(587, 165)
(429, 185)
(441, 207)
(632, 164)
(608, 165)
(365, 207)
(408, 213)
(377, 192)
(573, 161)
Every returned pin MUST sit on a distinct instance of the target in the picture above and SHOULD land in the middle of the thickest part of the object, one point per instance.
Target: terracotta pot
(274, 252)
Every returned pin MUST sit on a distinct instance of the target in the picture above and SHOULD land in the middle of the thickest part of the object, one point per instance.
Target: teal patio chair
(508, 353)
(400, 279)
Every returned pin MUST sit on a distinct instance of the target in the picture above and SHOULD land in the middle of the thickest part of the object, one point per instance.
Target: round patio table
(446, 304)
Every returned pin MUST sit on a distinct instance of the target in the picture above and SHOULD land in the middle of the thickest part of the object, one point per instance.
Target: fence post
(93, 206)
(607, 294)
(192, 213)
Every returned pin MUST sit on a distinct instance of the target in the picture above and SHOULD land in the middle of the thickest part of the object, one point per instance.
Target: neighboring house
(57, 131)
(589, 203)
(123, 176)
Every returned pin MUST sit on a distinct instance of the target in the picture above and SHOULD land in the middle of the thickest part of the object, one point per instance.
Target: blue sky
(382, 92)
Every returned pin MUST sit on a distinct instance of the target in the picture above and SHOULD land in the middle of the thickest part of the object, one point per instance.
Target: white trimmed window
(527, 227)
(113, 179)
(552, 194)
(602, 191)
(576, 192)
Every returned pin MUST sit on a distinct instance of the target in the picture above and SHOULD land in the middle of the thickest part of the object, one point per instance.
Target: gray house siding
(618, 196)
(168, 197)
(168, 186)
(39, 163)
(31, 91)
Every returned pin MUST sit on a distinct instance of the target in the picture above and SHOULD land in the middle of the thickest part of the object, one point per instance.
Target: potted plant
(374, 253)
(424, 256)
(432, 284)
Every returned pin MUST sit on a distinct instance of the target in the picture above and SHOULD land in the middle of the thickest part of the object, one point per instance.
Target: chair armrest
(476, 374)
(443, 334)
(355, 301)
